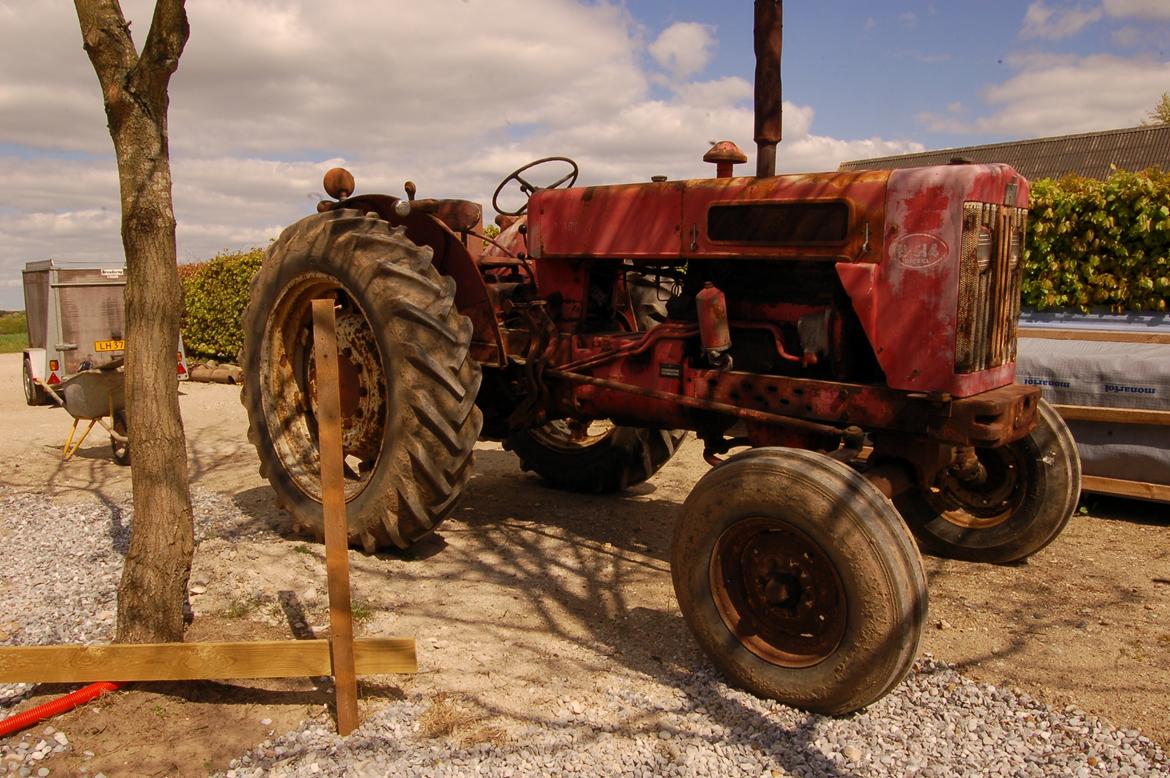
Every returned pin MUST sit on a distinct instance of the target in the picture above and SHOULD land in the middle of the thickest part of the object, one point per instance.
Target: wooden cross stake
(341, 656)
(333, 504)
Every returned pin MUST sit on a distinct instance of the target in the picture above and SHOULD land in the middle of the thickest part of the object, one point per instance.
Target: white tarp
(1106, 375)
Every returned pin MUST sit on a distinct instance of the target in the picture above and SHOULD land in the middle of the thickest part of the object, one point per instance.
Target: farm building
(1091, 154)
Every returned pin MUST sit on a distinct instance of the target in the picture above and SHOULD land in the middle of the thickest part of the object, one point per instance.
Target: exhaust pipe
(769, 37)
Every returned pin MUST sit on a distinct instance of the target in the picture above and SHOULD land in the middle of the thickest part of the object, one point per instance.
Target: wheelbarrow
(93, 395)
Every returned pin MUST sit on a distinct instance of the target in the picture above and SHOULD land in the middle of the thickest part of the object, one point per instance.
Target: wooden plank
(1115, 415)
(333, 505)
(1120, 488)
(384, 656)
(1108, 336)
(195, 661)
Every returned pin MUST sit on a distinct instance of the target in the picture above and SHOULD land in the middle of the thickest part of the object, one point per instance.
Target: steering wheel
(529, 189)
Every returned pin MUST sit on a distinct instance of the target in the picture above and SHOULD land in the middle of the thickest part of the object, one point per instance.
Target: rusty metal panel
(669, 220)
(628, 221)
(909, 303)
(989, 286)
(862, 194)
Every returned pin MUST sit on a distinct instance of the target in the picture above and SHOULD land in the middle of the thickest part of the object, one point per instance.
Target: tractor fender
(451, 258)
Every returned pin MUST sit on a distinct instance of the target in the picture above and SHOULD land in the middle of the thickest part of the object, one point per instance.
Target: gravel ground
(61, 567)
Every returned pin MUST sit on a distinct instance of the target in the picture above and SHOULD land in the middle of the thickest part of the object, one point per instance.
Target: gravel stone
(68, 559)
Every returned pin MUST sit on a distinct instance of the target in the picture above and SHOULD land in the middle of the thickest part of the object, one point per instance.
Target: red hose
(55, 707)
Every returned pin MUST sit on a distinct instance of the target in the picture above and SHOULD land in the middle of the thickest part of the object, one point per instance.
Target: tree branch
(168, 36)
(106, 37)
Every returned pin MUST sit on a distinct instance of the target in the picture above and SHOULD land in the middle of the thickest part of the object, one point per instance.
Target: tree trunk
(153, 592)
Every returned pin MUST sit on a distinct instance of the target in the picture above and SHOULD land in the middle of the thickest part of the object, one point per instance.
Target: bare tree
(153, 590)
(1161, 112)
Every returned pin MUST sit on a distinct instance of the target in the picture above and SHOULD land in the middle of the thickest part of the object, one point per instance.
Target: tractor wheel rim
(991, 503)
(290, 386)
(574, 434)
(778, 592)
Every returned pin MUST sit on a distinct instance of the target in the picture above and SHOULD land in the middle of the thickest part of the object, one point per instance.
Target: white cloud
(1158, 10)
(1126, 37)
(817, 152)
(683, 49)
(1059, 94)
(450, 94)
(1044, 21)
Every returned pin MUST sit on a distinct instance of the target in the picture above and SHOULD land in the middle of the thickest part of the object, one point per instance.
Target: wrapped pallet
(1112, 385)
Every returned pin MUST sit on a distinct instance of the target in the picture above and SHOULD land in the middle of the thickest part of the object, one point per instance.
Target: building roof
(1091, 154)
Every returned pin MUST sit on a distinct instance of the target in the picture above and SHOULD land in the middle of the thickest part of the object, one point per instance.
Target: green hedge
(1099, 244)
(215, 294)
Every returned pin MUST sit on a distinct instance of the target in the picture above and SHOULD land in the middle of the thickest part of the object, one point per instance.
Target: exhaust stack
(769, 38)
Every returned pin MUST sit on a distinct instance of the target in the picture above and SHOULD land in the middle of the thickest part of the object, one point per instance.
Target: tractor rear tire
(600, 461)
(799, 580)
(1032, 488)
(408, 384)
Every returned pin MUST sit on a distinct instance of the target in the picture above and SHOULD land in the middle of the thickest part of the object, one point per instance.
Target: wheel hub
(778, 592)
(574, 434)
(984, 502)
(362, 387)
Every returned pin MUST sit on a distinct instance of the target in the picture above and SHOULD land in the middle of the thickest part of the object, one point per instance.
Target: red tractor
(853, 332)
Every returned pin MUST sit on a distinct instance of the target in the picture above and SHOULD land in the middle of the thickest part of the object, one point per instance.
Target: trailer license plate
(109, 345)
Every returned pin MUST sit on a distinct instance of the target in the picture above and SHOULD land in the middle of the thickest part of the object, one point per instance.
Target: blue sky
(454, 94)
(869, 67)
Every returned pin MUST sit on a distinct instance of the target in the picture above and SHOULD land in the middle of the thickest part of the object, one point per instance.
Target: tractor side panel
(671, 220)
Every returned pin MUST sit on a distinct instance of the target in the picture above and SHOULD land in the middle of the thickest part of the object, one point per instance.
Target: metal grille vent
(990, 271)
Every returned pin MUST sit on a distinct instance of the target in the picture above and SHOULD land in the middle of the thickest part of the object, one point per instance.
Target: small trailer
(76, 345)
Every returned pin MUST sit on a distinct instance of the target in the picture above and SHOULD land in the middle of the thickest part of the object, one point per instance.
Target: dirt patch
(1085, 622)
(527, 594)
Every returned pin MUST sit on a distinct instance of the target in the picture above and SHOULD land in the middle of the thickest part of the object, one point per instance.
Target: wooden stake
(333, 504)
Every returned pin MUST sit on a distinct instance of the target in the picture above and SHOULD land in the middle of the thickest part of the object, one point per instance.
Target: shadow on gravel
(571, 559)
(258, 504)
(544, 564)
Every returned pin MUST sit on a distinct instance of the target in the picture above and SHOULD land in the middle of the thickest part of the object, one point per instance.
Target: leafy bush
(1099, 244)
(215, 294)
(13, 332)
(13, 323)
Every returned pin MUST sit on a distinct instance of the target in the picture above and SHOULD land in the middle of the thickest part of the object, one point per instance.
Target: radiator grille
(989, 286)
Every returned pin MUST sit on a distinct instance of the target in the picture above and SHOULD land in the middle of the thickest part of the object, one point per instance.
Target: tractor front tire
(408, 384)
(799, 580)
(598, 457)
(1031, 490)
